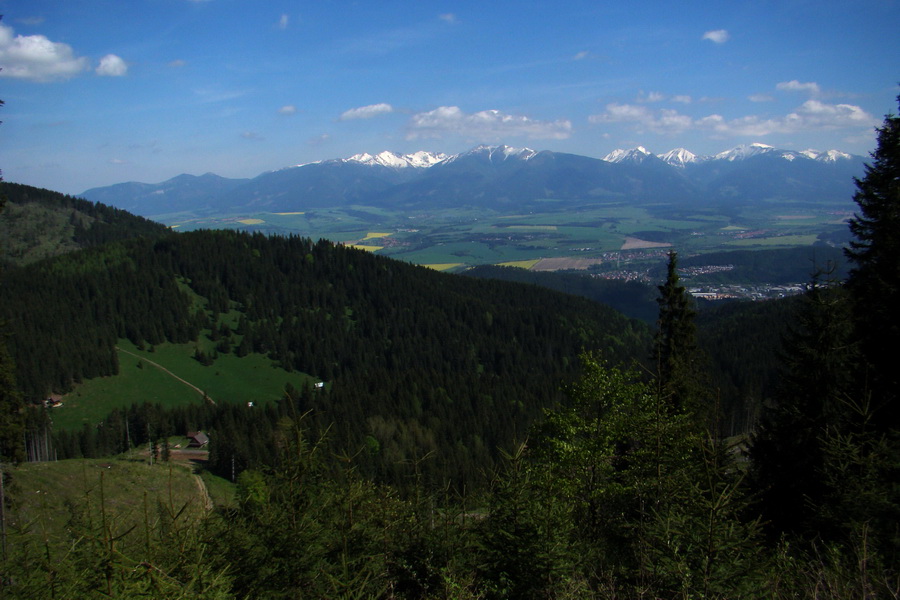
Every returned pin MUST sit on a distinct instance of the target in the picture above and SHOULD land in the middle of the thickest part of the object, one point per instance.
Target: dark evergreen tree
(788, 448)
(874, 282)
(675, 352)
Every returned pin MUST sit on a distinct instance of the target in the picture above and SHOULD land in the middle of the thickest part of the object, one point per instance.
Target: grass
(42, 494)
(228, 379)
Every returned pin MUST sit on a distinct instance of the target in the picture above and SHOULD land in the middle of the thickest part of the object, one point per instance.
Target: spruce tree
(874, 282)
(675, 350)
(11, 421)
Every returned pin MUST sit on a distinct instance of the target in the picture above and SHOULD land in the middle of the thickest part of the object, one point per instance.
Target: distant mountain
(173, 195)
(503, 176)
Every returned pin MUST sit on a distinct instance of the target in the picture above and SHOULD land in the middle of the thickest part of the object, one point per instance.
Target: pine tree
(788, 448)
(11, 421)
(874, 282)
(675, 350)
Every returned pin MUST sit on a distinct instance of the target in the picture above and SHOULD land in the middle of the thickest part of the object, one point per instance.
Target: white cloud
(651, 97)
(682, 98)
(812, 115)
(486, 125)
(819, 114)
(283, 22)
(36, 58)
(30, 20)
(367, 112)
(287, 109)
(581, 55)
(252, 135)
(760, 98)
(718, 36)
(448, 18)
(666, 120)
(112, 66)
(796, 86)
(177, 63)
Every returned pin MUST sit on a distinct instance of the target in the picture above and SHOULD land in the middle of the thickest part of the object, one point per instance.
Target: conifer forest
(457, 436)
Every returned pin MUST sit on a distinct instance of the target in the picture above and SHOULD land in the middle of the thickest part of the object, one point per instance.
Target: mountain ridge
(496, 176)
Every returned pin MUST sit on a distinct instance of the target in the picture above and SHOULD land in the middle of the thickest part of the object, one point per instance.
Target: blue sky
(104, 91)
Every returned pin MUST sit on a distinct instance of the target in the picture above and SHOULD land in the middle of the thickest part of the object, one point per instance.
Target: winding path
(170, 373)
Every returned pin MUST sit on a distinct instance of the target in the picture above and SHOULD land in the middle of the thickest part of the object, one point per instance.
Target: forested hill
(418, 360)
(36, 223)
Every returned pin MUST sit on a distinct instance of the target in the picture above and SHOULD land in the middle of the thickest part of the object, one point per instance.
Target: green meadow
(253, 378)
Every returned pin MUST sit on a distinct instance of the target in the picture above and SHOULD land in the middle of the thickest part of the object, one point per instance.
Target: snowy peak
(745, 151)
(635, 155)
(830, 156)
(679, 157)
(495, 154)
(416, 160)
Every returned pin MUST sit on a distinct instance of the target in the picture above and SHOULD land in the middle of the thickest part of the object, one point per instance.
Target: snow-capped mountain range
(504, 176)
(678, 157)
(681, 157)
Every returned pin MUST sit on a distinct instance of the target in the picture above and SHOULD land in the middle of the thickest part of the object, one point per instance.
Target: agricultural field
(542, 234)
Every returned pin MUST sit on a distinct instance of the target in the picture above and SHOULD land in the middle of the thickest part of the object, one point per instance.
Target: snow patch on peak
(637, 155)
(679, 157)
(416, 160)
(497, 153)
(828, 156)
(744, 151)
(423, 159)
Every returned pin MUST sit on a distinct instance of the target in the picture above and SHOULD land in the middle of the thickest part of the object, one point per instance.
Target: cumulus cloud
(367, 112)
(796, 86)
(448, 18)
(287, 109)
(812, 115)
(486, 125)
(718, 36)
(760, 98)
(36, 58)
(651, 97)
(283, 22)
(664, 120)
(112, 66)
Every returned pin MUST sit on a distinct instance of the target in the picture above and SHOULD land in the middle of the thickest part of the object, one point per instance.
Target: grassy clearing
(375, 235)
(228, 379)
(443, 266)
(42, 494)
(366, 247)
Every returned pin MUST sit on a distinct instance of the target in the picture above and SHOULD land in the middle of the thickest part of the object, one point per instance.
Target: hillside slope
(37, 223)
(417, 360)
